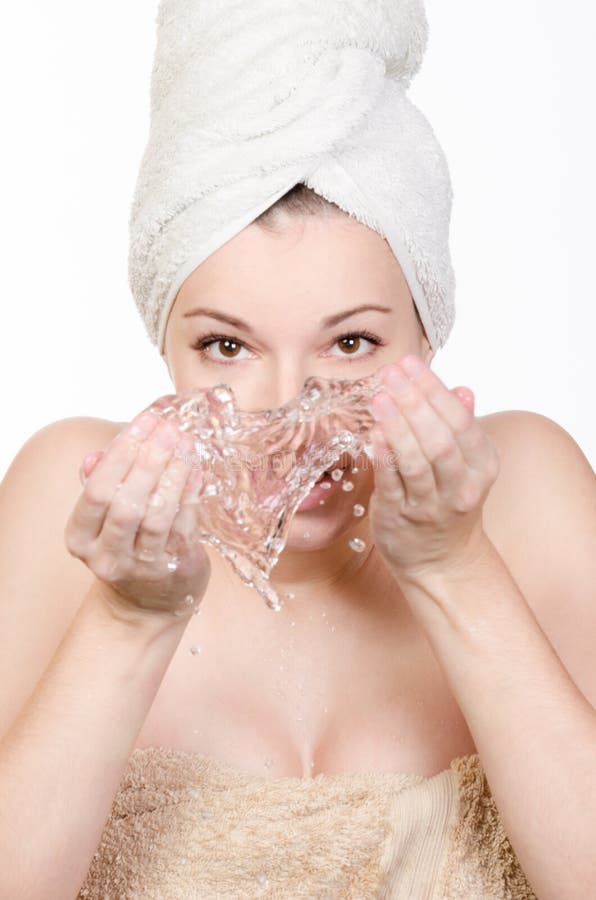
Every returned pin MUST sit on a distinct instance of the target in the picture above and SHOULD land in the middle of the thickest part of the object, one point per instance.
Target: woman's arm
(63, 758)
(79, 667)
(534, 729)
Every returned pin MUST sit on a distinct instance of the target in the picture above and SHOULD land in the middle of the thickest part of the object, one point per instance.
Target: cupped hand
(134, 523)
(434, 467)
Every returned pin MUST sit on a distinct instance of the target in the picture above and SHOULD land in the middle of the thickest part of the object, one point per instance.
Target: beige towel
(183, 826)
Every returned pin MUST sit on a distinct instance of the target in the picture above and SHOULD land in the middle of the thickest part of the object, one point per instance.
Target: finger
(129, 503)
(466, 396)
(415, 470)
(435, 437)
(473, 442)
(164, 406)
(163, 503)
(88, 464)
(186, 525)
(387, 477)
(447, 404)
(91, 507)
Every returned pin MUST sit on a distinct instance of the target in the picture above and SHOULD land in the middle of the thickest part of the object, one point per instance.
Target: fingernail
(396, 380)
(142, 425)
(412, 366)
(166, 436)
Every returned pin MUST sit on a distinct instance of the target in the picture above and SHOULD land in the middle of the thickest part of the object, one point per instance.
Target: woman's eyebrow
(329, 322)
(214, 314)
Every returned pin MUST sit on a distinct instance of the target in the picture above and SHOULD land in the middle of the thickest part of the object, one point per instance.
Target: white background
(508, 88)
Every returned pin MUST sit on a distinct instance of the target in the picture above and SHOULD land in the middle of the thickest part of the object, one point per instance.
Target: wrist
(118, 609)
(457, 568)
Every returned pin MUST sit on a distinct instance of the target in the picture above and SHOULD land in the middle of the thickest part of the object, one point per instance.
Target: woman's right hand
(139, 499)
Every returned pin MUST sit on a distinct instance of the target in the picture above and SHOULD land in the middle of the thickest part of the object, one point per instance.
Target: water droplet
(196, 649)
(325, 486)
(347, 486)
(174, 563)
(357, 545)
(222, 394)
(290, 595)
(321, 503)
(292, 622)
(146, 556)
(355, 469)
(306, 534)
(359, 510)
(337, 474)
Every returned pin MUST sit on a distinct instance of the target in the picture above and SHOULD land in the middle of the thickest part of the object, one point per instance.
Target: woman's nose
(278, 391)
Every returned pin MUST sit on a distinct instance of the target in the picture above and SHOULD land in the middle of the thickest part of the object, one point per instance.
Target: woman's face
(266, 311)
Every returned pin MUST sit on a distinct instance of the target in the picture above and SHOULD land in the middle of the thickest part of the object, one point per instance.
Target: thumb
(466, 396)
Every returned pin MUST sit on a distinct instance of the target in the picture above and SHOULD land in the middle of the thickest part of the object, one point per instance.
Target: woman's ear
(165, 359)
(427, 352)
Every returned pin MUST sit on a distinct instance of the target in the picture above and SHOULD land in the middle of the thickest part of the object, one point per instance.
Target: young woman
(464, 628)
(419, 720)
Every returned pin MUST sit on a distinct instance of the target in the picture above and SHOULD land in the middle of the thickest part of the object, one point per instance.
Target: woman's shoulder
(544, 479)
(41, 583)
(541, 516)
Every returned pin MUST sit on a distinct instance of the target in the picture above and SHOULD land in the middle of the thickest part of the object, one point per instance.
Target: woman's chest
(339, 702)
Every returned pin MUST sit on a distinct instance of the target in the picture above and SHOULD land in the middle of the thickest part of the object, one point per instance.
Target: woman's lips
(318, 492)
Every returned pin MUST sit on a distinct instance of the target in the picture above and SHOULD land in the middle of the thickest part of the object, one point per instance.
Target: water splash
(258, 467)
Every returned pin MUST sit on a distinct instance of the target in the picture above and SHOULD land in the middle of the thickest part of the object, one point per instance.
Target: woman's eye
(351, 344)
(226, 348)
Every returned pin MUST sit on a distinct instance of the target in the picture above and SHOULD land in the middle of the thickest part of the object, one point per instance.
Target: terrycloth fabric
(184, 827)
(250, 98)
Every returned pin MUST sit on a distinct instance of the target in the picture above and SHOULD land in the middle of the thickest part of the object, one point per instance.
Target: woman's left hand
(434, 468)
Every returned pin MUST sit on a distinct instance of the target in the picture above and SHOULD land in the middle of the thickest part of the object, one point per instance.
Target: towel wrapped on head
(249, 98)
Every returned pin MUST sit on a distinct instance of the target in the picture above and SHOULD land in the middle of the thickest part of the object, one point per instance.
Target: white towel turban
(250, 97)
